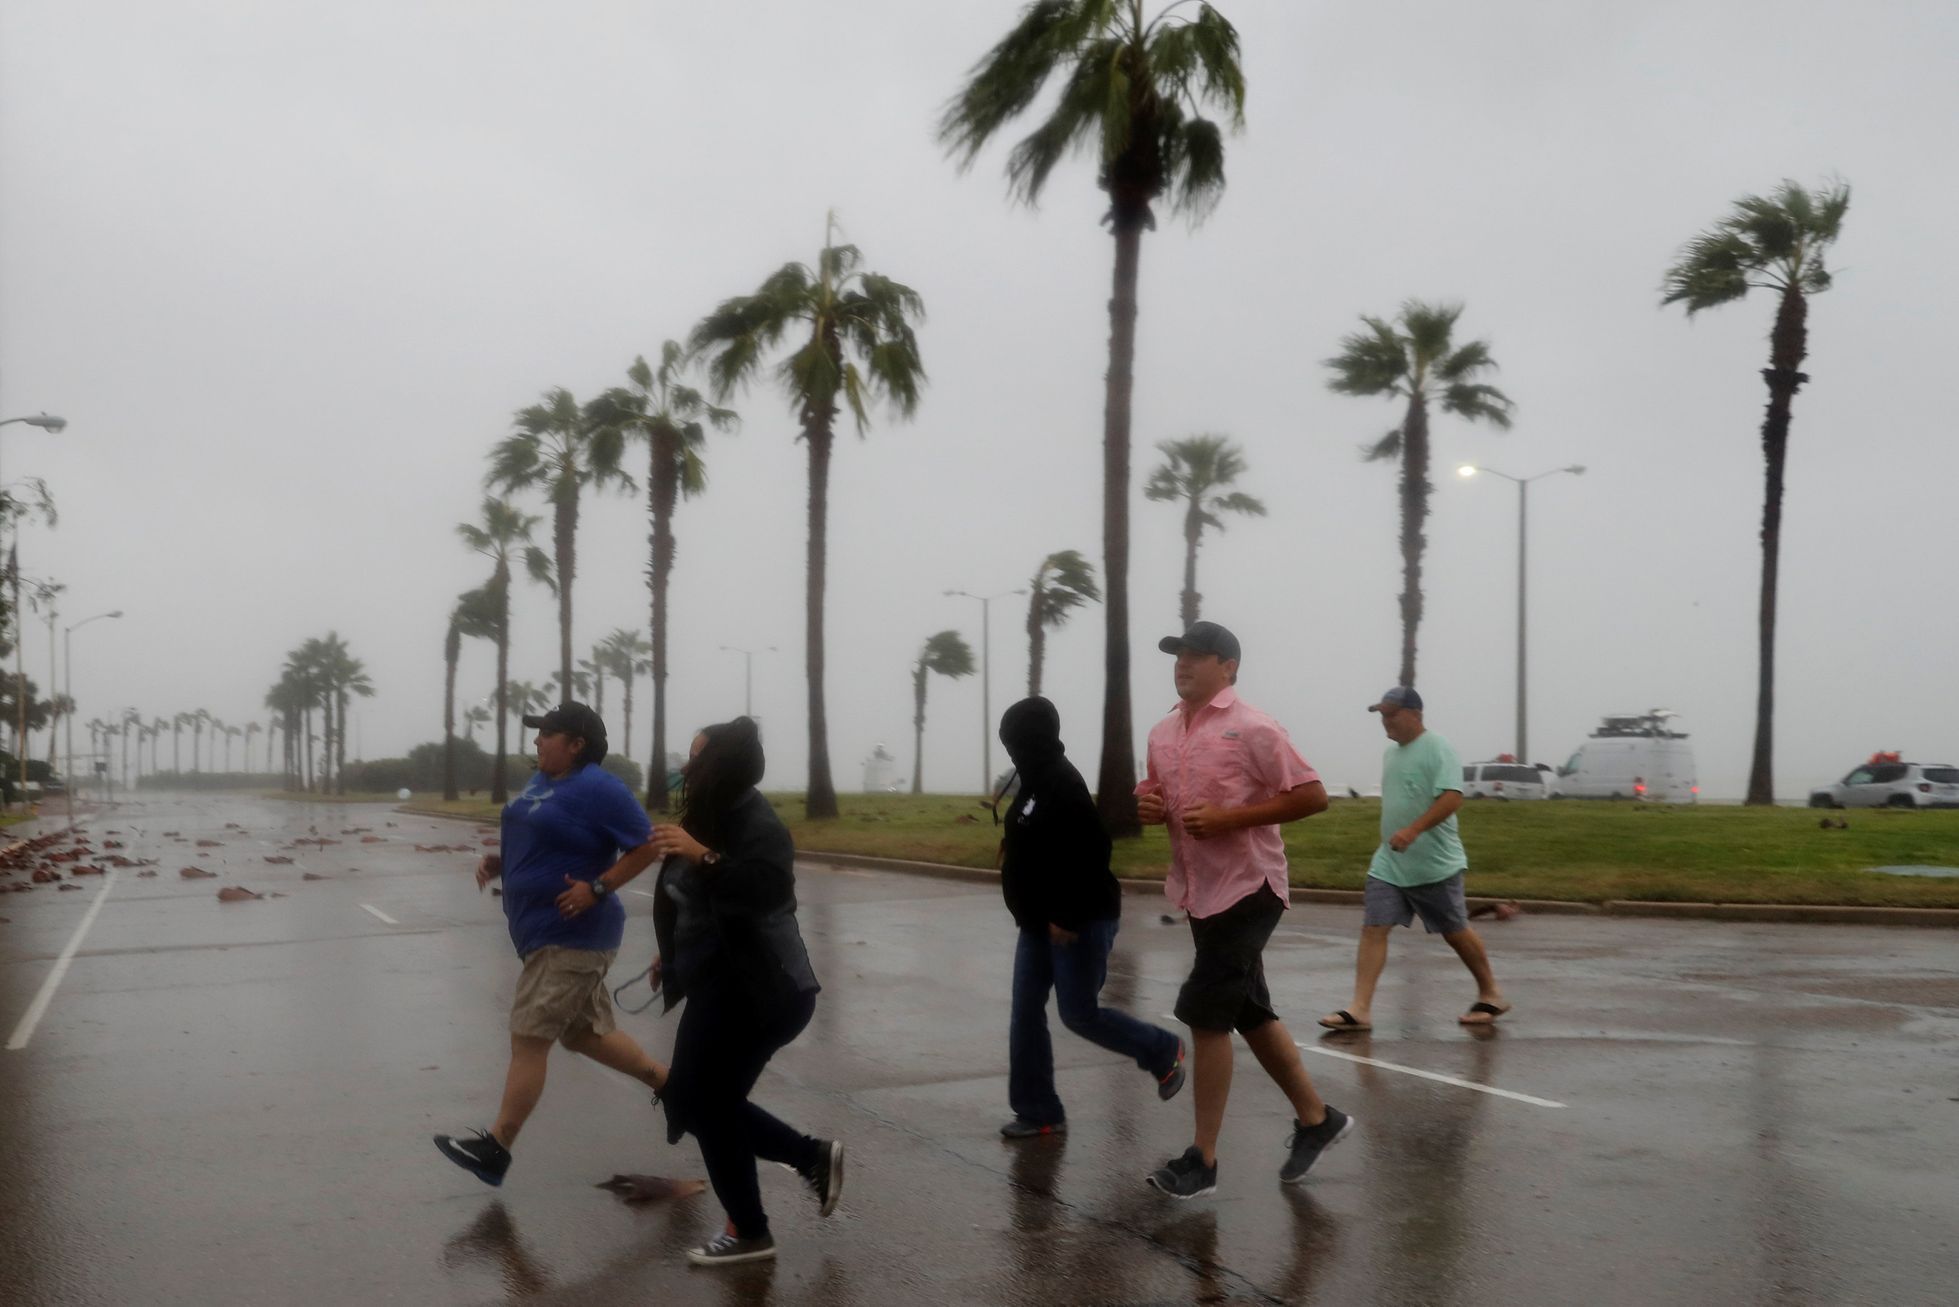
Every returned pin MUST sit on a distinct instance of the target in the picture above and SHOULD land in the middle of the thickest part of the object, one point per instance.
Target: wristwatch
(599, 888)
(709, 858)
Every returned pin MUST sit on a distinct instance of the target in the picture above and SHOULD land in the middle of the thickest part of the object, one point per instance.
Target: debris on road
(197, 873)
(278, 859)
(236, 894)
(650, 1188)
(312, 875)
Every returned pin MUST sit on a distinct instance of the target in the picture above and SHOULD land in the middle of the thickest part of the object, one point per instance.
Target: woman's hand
(488, 868)
(671, 841)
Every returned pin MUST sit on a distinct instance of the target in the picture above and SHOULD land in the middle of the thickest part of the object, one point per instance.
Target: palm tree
(591, 672)
(1773, 243)
(855, 342)
(132, 726)
(503, 531)
(251, 729)
(1421, 364)
(230, 733)
(474, 617)
(559, 450)
(1193, 469)
(1062, 583)
(342, 675)
(626, 653)
(198, 721)
(217, 733)
(948, 655)
(158, 725)
(672, 418)
(474, 716)
(1133, 91)
(177, 725)
(555, 691)
(526, 698)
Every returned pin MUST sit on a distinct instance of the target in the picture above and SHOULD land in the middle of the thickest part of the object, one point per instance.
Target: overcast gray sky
(288, 269)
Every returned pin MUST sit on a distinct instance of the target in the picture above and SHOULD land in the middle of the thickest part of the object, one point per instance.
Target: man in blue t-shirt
(571, 841)
(1418, 869)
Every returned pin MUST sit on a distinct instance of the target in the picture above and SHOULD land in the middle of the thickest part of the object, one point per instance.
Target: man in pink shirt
(1224, 777)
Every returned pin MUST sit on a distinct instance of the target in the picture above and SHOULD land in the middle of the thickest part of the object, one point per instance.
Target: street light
(986, 680)
(1466, 471)
(68, 679)
(747, 674)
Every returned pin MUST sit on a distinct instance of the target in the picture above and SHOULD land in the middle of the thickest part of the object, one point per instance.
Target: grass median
(1581, 852)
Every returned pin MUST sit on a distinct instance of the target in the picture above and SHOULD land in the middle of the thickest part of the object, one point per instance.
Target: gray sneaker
(1173, 1079)
(730, 1249)
(1186, 1176)
(1309, 1141)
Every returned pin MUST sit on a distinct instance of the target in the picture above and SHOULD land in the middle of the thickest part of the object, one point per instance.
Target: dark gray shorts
(1439, 905)
(1226, 989)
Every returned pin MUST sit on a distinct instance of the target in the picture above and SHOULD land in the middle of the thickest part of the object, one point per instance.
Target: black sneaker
(731, 1249)
(1167, 1087)
(825, 1176)
(1186, 1176)
(1309, 1141)
(483, 1157)
(1021, 1128)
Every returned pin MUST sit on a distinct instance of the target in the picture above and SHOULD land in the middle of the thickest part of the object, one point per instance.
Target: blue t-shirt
(576, 826)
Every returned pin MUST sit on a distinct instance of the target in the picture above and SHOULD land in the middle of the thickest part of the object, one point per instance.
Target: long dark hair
(729, 764)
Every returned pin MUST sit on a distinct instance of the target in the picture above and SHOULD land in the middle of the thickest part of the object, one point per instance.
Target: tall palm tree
(673, 418)
(474, 716)
(557, 449)
(948, 655)
(527, 698)
(1134, 91)
(503, 535)
(158, 725)
(342, 675)
(251, 728)
(198, 721)
(216, 725)
(1774, 243)
(1062, 583)
(627, 654)
(853, 342)
(1418, 362)
(230, 733)
(132, 729)
(556, 692)
(591, 671)
(474, 617)
(177, 725)
(1193, 470)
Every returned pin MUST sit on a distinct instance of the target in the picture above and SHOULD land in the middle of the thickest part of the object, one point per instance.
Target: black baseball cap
(1204, 638)
(575, 719)
(1399, 696)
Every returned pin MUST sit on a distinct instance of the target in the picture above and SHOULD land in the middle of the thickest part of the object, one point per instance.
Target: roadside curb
(1774, 913)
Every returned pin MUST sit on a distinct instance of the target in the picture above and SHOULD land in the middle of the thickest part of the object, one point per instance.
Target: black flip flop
(1346, 1022)
(1475, 1008)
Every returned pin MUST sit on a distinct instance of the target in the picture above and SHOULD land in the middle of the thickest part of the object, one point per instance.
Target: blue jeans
(1075, 973)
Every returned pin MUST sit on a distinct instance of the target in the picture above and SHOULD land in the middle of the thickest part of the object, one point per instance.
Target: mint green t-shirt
(1413, 776)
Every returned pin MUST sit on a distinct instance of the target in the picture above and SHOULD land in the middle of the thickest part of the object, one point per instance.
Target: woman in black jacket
(1055, 874)
(724, 910)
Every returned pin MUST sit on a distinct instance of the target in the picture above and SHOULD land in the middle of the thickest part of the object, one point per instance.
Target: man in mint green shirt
(1417, 871)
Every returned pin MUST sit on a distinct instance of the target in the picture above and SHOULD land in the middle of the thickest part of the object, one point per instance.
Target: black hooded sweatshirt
(1055, 864)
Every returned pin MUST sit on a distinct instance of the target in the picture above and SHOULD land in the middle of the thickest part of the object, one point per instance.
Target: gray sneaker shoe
(1186, 1176)
(825, 1176)
(730, 1249)
(1309, 1141)
(1172, 1080)
(1021, 1128)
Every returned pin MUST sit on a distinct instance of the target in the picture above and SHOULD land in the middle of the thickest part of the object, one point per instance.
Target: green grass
(302, 796)
(1582, 852)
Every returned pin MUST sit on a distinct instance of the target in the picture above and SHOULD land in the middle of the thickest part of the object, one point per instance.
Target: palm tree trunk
(662, 485)
(1193, 533)
(1789, 345)
(1037, 642)
(177, 750)
(1415, 489)
(565, 541)
(918, 729)
(626, 693)
(821, 801)
(499, 785)
(340, 742)
(1115, 785)
(452, 650)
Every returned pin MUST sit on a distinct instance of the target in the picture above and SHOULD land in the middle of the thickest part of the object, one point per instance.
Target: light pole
(986, 680)
(747, 674)
(1523, 500)
(68, 688)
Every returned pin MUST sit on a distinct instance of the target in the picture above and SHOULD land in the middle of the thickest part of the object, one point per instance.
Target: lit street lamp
(1523, 499)
(68, 679)
(986, 680)
(747, 674)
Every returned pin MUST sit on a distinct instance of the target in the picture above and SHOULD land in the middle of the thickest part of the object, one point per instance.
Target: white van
(1640, 756)
(1503, 779)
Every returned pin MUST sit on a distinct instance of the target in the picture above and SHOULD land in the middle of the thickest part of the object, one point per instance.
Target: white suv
(1892, 785)
(1503, 780)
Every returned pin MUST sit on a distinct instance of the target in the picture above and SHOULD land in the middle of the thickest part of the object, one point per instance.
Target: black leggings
(718, 1055)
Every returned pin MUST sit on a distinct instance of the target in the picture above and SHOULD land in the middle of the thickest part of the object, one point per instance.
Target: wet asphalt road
(231, 1103)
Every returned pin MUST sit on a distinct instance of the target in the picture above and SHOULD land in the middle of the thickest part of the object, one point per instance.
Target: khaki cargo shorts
(562, 993)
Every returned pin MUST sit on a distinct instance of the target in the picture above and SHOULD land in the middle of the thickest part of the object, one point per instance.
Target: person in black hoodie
(1054, 872)
(724, 910)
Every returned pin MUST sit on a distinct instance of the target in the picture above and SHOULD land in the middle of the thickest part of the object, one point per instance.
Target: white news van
(1639, 756)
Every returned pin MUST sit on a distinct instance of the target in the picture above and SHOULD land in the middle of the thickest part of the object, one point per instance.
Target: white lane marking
(369, 907)
(38, 1008)
(1430, 1075)
(1436, 1076)
(643, 893)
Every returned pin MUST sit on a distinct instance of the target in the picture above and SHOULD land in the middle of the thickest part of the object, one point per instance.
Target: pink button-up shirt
(1230, 754)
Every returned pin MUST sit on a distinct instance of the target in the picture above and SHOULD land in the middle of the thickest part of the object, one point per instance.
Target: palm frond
(538, 564)
(1387, 448)
(1009, 77)
(1242, 504)
(1712, 269)
(948, 654)
(1429, 329)
(1371, 362)
(1478, 403)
